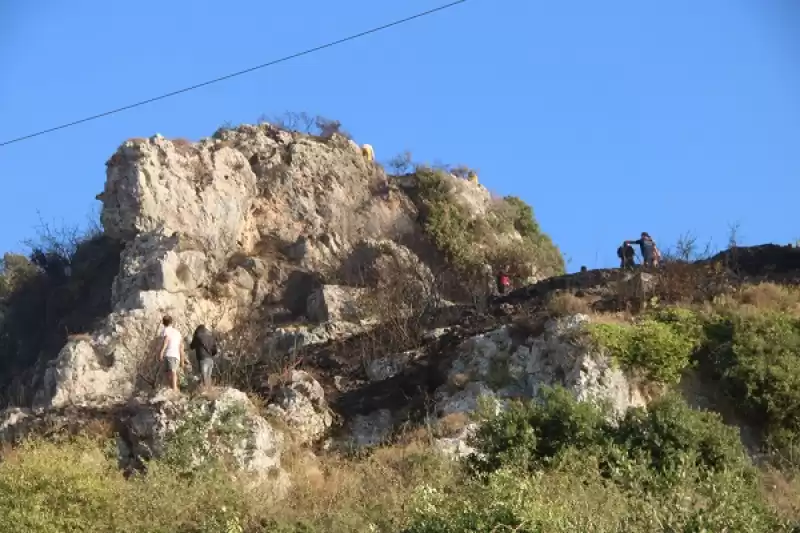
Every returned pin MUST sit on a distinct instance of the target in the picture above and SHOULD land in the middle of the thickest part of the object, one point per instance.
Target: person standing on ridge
(625, 254)
(205, 348)
(171, 351)
(648, 248)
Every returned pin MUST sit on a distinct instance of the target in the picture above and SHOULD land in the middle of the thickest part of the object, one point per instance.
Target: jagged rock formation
(499, 365)
(224, 425)
(253, 217)
(301, 405)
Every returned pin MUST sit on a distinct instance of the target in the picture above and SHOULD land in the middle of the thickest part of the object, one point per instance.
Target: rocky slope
(254, 218)
(336, 301)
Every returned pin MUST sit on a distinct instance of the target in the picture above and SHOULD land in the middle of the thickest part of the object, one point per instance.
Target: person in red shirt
(503, 282)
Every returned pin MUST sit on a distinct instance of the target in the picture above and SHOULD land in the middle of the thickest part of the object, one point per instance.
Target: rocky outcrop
(499, 368)
(212, 229)
(492, 368)
(300, 405)
(335, 303)
(190, 432)
(296, 227)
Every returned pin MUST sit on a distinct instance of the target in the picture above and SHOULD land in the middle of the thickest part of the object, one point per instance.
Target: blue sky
(608, 117)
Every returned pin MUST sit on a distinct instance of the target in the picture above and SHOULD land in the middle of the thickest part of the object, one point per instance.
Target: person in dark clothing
(648, 248)
(205, 348)
(503, 282)
(625, 254)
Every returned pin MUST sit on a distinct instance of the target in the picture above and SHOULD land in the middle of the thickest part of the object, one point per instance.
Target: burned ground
(340, 365)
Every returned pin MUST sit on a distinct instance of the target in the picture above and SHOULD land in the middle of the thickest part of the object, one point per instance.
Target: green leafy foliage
(659, 350)
(665, 439)
(756, 355)
(470, 241)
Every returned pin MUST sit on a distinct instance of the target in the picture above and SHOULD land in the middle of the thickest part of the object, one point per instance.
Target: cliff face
(254, 218)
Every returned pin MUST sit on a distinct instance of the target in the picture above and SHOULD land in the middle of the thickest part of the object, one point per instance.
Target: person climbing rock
(625, 254)
(205, 348)
(171, 351)
(648, 249)
(503, 282)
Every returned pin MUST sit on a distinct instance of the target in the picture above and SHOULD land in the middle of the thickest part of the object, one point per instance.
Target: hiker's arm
(180, 351)
(163, 347)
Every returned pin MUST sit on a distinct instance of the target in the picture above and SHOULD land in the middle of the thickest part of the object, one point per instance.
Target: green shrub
(529, 434)
(446, 222)
(756, 355)
(468, 241)
(657, 445)
(669, 433)
(572, 497)
(659, 350)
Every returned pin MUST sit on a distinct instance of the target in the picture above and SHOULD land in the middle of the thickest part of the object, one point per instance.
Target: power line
(241, 72)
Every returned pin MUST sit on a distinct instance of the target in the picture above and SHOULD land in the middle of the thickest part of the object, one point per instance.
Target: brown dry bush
(314, 125)
(401, 303)
(566, 303)
(183, 146)
(770, 296)
(251, 354)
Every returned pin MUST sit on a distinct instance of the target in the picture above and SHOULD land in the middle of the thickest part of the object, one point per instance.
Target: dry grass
(452, 424)
(75, 337)
(335, 493)
(770, 296)
(782, 491)
(566, 303)
(183, 146)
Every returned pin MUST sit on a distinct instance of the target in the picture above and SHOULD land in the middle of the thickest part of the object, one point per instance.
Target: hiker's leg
(173, 372)
(207, 366)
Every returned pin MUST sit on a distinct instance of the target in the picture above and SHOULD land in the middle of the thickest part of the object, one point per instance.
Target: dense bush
(750, 350)
(660, 347)
(62, 288)
(468, 241)
(756, 356)
(571, 497)
(665, 439)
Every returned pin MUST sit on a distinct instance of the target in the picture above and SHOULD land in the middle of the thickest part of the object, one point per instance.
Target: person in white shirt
(171, 351)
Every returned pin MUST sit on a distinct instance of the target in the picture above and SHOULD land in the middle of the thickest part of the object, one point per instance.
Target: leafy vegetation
(468, 243)
(660, 345)
(556, 466)
(748, 344)
(62, 287)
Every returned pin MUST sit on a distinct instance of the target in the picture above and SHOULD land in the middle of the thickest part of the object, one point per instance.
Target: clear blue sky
(608, 117)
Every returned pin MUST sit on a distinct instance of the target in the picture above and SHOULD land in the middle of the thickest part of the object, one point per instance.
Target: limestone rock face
(207, 229)
(334, 303)
(189, 432)
(254, 217)
(495, 366)
(157, 187)
(301, 405)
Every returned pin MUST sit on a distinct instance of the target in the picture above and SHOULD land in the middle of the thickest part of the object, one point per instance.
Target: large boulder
(300, 404)
(335, 303)
(188, 433)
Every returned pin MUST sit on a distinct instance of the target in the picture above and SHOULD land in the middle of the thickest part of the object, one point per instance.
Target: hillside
(368, 378)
